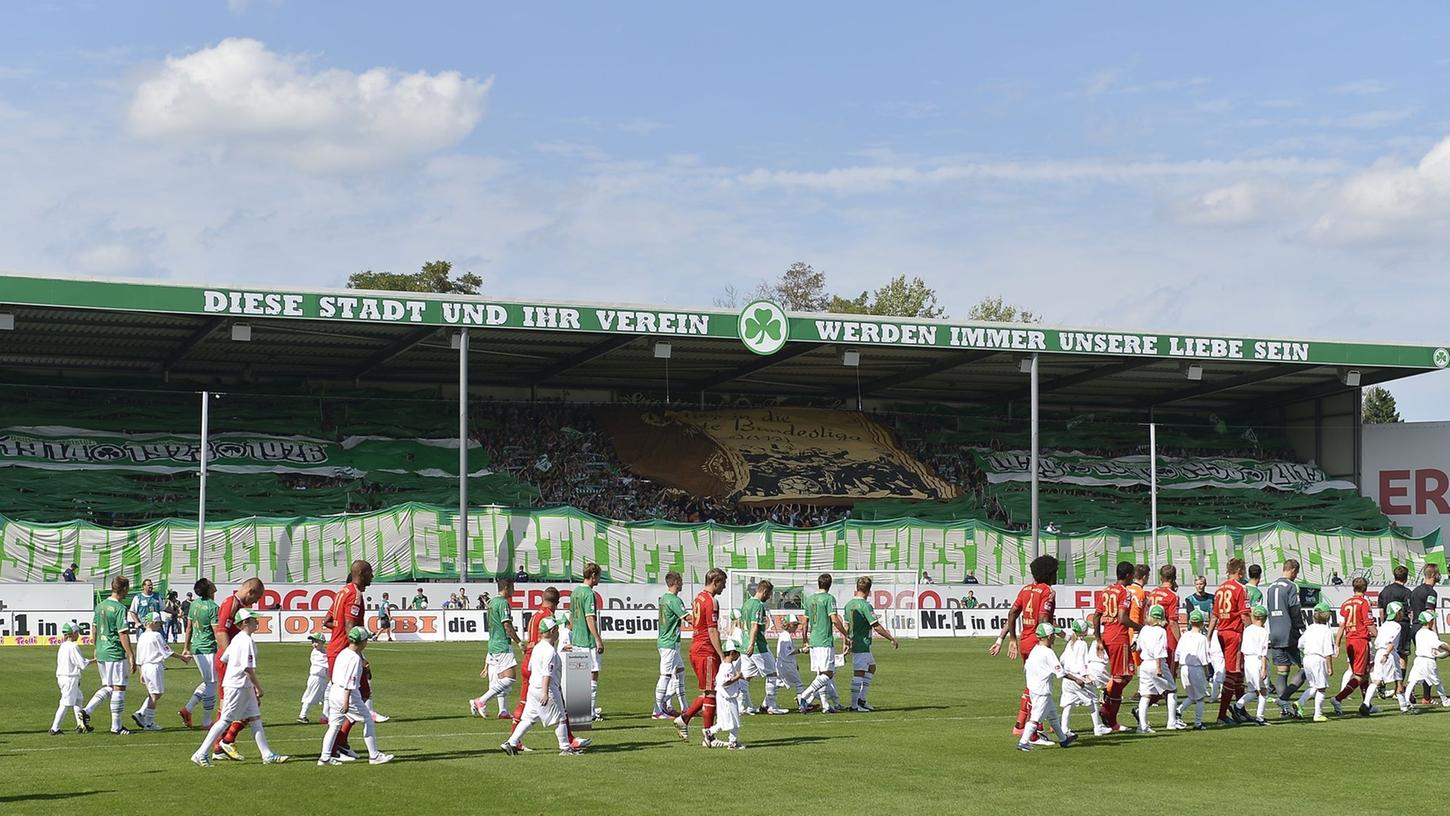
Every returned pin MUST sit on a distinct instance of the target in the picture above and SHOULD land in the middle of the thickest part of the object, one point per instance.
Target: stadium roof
(148, 332)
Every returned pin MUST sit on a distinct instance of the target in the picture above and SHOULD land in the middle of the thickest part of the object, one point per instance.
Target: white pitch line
(666, 728)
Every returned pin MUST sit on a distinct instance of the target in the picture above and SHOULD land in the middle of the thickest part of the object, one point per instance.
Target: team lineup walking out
(1241, 645)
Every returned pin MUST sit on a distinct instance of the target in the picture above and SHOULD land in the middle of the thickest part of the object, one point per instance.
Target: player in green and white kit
(584, 630)
(861, 622)
(671, 683)
(201, 620)
(114, 657)
(755, 657)
(502, 668)
(821, 619)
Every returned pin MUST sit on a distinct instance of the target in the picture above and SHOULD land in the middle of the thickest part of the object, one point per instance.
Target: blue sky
(1278, 170)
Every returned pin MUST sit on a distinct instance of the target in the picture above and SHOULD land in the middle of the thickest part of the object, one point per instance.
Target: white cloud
(1361, 87)
(240, 96)
(1102, 81)
(1378, 118)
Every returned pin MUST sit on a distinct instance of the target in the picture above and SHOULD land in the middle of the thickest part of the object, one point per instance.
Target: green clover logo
(763, 327)
(1442, 358)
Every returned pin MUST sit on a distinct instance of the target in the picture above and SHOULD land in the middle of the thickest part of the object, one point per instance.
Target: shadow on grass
(802, 740)
(50, 797)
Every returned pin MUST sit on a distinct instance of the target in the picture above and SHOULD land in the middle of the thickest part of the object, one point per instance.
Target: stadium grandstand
(632, 434)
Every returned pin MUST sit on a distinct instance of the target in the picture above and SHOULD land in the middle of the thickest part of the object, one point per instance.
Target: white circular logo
(1442, 358)
(763, 327)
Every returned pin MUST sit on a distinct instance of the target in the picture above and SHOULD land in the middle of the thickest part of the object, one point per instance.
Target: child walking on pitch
(1154, 676)
(729, 686)
(242, 694)
(1075, 660)
(346, 704)
(1193, 665)
(785, 656)
(1042, 665)
(1387, 670)
(1318, 647)
(1256, 666)
(1428, 649)
(316, 690)
(152, 650)
(546, 696)
(68, 667)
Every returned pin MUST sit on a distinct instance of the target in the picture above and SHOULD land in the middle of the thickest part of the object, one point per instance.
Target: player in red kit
(1113, 626)
(347, 611)
(244, 597)
(1356, 630)
(1036, 603)
(1230, 615)
(705, 652)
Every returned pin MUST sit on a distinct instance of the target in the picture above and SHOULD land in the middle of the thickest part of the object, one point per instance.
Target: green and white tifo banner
(1173, 473)
(414, 541)
(53, 447)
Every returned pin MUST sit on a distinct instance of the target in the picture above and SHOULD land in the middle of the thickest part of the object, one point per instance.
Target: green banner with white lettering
(415, 541)
(1174, 473)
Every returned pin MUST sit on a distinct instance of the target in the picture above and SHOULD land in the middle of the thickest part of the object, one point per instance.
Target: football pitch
(940, 742)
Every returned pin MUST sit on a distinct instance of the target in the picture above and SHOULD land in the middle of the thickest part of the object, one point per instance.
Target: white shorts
(1386, 671)
(760, 664)
(1253, 678)
(153, 677)
(1098, 673)
(498, 661)
(670, 662)
(206, 664)
(240, 703)
(1195, 682)
(1316, 671)
(596, 660)
(1423, 670)
(70, 690)
(114, 673)
(823, 659)
(347, 702)
(862, 661)
(1074, 694)
(1154, 682)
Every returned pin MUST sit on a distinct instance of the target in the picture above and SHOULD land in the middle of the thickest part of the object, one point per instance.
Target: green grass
(940, 743)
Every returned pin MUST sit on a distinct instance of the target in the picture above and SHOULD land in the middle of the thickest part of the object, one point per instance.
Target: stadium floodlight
(242, 332)
(851, 358)
(1193, 371)
(662, 350)
(7, 321)
(1349, 376)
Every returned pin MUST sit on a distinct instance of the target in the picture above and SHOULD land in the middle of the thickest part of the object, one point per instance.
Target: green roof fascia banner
(762, 327)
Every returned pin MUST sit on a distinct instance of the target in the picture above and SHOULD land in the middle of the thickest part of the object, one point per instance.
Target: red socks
(1347, 690)
(518, 712)
(694, 709)
(709, 712)
(233, 729)
(1024, 710)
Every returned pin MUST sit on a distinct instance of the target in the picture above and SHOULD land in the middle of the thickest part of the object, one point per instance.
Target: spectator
(420, 601)
(69, 576)
(144, 604)
(171, 618)
(970, 602)
(926, 577)
(482, 601)
(521, 577)
(972, 577)
(1336, 580)
(452, 602)
(186, 607)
